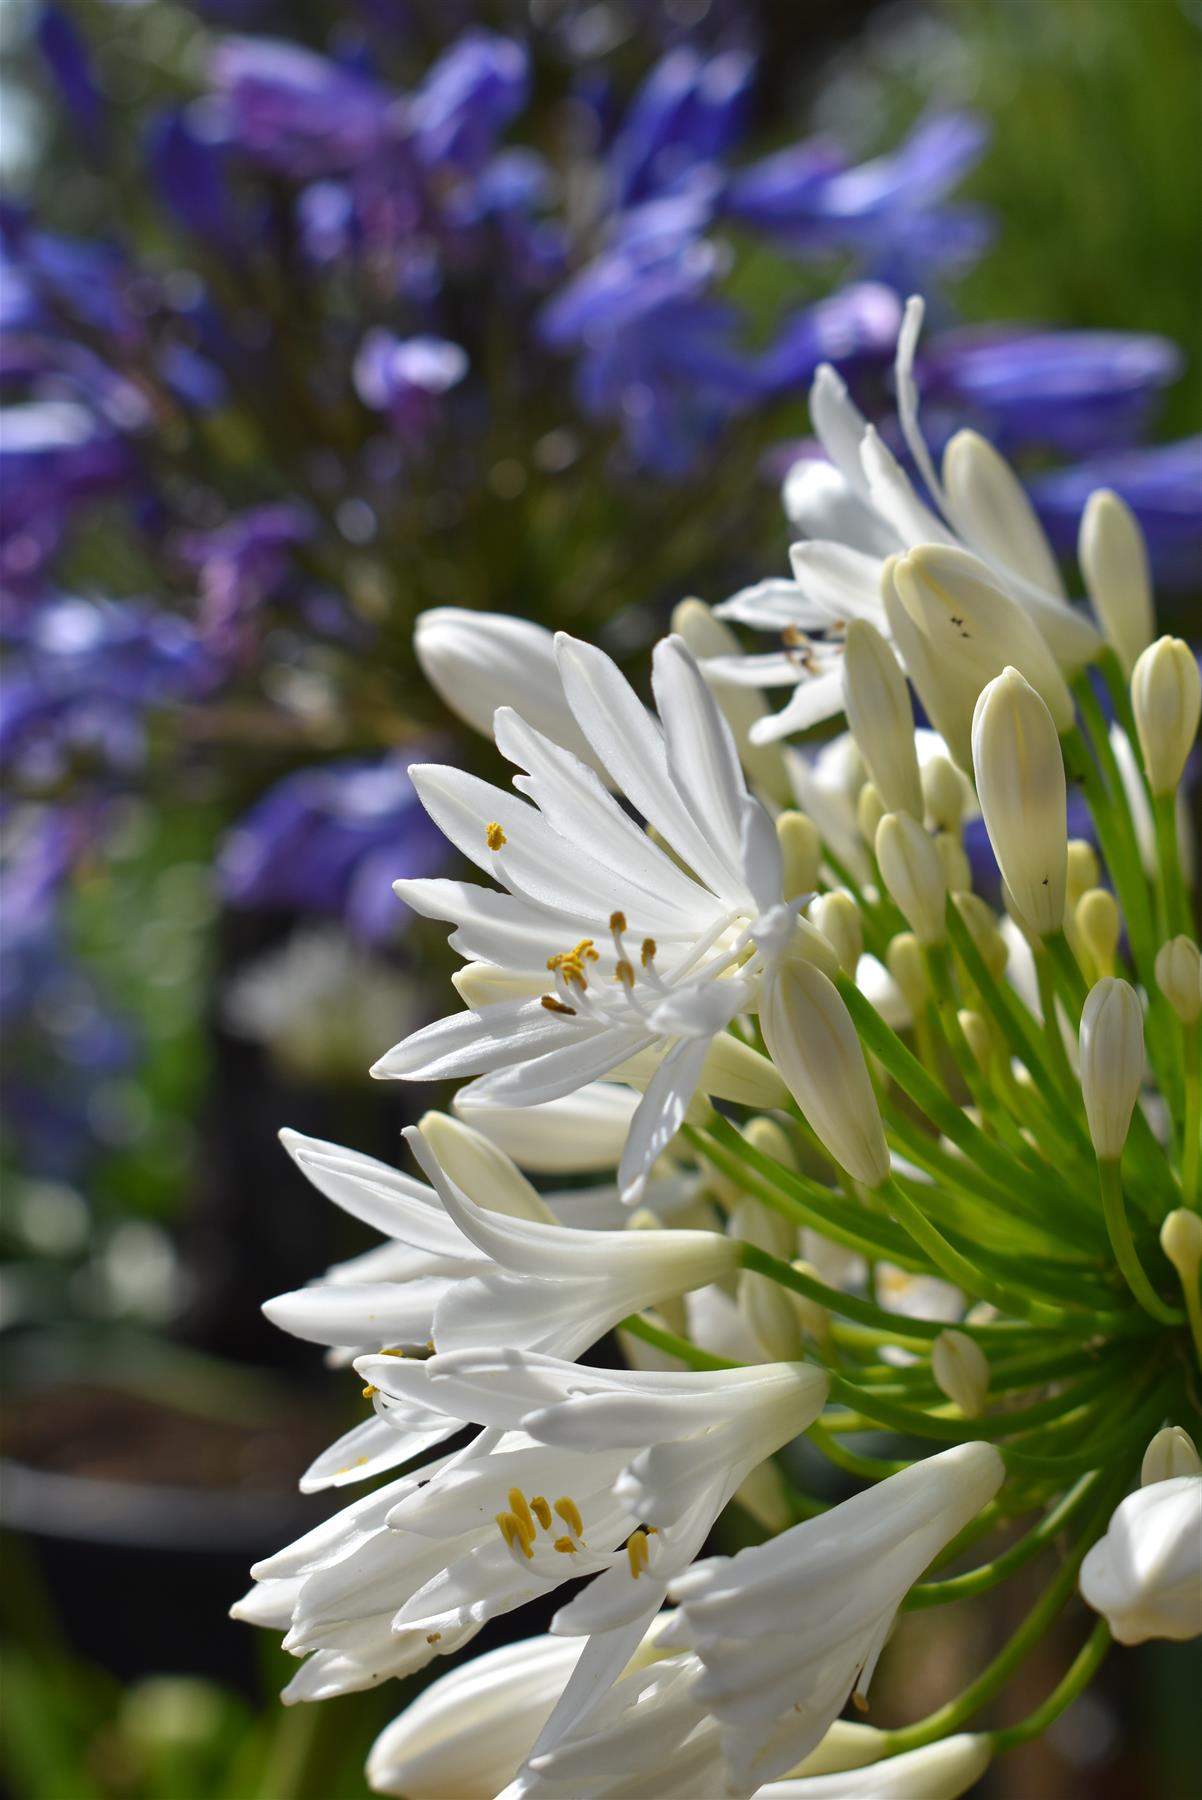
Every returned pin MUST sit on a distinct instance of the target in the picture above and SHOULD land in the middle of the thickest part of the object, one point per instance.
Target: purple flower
(333, 840)
(1161, 483)
(54, 456)
(855, 327)
(406, 378)
(468, 97)
(688, 111)
(188, 165)
(66, 56)
(1073, 391)
(240, 565)
(297, 113)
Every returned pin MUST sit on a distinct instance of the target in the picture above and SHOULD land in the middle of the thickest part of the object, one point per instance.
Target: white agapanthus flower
(1145, 1575)
(608, 950)
(859, 508)
(784, 1631)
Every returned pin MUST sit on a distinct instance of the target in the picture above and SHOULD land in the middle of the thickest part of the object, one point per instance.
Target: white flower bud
(1098, 924)
(1112, 1062)
(961, 1371)
(771, 1139)
(975, 628)
(478, 661)
(812, 1041)
(1083, 871)
(978, 1037)
(1020, 783)
(767, 1310)
(982, 927)
(754, 1223)
(945, 794)
(837, 917)
(1171, 1454)
(1145, 1575)
(913, 874)
(946, 699)
(1181, 1241)
(881, 718)
(1179, 977)
(815, 1320)
(988, 505)
(1114, 562)
(476, 1165)
(953, 859)
(907, 965)
(870, 810)
(1166, 693)
(801, 848)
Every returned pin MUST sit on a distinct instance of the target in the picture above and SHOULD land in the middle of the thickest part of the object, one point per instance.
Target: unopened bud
(837, 917)
(870, 810)
(475, 1164)
(812, 1041)
(907, 965)
(815, 1320)
(982, 927)
(988, 504)
(978, 1037)
(1114, 561)
(945, 700)
(1082, 871)
(1179, 977)
(1181, 1241)
(912, 872)
(1171, 1454)
(1020, 783)
(771, 1139)
(801, 849)
(769, 1314)
(1166, 694)
(945, 794)
(1098, 924)
(953, 858)
(1112, 1062)
(961, 1371)
(877, 702)
(754, 1223)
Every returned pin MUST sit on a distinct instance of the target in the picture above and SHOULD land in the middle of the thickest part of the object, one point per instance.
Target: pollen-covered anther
(519, 1506)
(624, 972)
(541, 1510)
(556, 1006)
(569, 1512)
(647, 953)
(637, 1553)
(566, 1546)
(617, 922)
(515, 1536)
(370, 1392)
(494, 836)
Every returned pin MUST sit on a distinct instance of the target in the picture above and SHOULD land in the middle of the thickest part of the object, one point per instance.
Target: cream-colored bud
(907, 965)
(754, 1223)
(837, 917)
(1112, 1062)
(1181, 1241)
(1166, 694)
(1098, 925)
(953, 858)
(1114, 562)
(975, 628)
(946, 700)
(982, 927)
(1179, 977)
(961, 1371)
(1083, 871)
(807, 944)
(945, 793)
(815, 1320)
(988, 505)
(801, 848)
(877, 702)
(912, 872)
(978, 1037)
(812, 1041)
(1020, 784)
(870, 810)
(768, 1312)
(479, 1167)
(1172, 1453)
(771, 1139)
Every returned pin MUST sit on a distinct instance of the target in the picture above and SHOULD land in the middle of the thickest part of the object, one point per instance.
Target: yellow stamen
(515, 1537)
(557, 1006)
(617, 922)
(494, 836)
(569, 1512)
(623, 972)
(541, 1511)
(565, 1546)
(370, 1392)
(517, 1504)
(648, 951)
(434, 1637)
(637, 1553)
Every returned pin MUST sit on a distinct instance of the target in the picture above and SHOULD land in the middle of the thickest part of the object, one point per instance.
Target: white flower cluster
(866, 1179)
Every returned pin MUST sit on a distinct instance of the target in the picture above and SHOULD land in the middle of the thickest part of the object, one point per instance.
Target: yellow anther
(541, 1511)
(518, 1505)
(395, 1351)
(434, 1637)
(637, 1553)
(565, 1546)
(557, 1006)
(515, 1537)
(370, 1392)
(624, 972)
(494, 836)
(617, 922)
(569, 1512)
(648, 951)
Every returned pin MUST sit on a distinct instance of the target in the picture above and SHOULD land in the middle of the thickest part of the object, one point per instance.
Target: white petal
(773, 605)
(820, 503)
(839, 426)
(818, 698)
(844, 582)
(907, 395)
(661, 1112)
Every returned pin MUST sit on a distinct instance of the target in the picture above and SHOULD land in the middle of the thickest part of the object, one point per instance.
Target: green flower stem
(1076, 1679)
(872, 1468)
(957, 1268)
(993, 1678)
(990, 1574)
(876, 927)
(1120, 699)
(947, 1424)
(953, 1172)
(1119, 848)
(672, 1345)
(1021, 1029)
(987, 1228)
(1118, 1448)
(1120, 810)
(913, 1079)
(1072, 982)
(1174, 898)
(1110, 1180)
(1045, 976)
(1193, 1311)
(1191, 1143)
(797, 1198)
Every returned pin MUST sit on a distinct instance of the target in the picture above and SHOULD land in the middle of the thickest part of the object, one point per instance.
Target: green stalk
(1110, 1180)
(1045, 977)
(1072, 982)
(957, 1268)
(991, 1574)
(1076, 1679)
(1191, 1143)
(871, 1468)
(671, 1345)
(1174, 899)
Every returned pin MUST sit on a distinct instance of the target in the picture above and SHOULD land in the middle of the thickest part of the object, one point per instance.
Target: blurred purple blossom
(1161, 483)
(407, 378)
